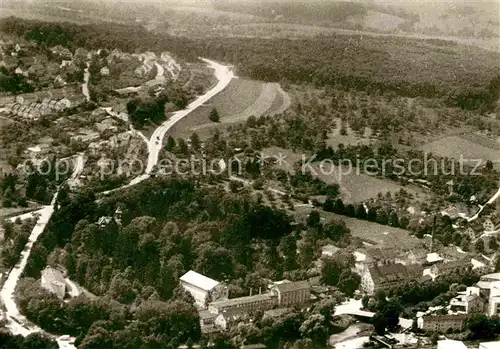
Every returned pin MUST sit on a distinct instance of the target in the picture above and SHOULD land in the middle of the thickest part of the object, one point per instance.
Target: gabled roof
(454, 264)
(198, 280)
(395, 272)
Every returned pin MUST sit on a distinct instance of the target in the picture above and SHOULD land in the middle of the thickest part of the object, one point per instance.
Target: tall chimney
(433, 233)
(251, 289)
(260, 290)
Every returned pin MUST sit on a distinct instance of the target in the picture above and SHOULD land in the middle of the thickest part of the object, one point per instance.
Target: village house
(469, 302)
(104, 71)
(202, 288)
(458, 266)
(329, 250)
(54, 282)
(441, 323)
(386, 277)
(488, 225)
(481, 262)
(62, 52)
(489, 345)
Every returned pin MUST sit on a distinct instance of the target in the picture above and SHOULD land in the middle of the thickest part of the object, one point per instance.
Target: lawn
(456, 146)
(381, 235)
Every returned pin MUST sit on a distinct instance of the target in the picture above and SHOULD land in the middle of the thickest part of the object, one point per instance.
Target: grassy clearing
(456, 146)
(354, 187)
(382, 235)
(236, 103)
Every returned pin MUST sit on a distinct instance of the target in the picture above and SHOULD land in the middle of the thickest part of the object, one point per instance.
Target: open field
(354, 186)
(382, 235)
(457, 146)
(241, 99)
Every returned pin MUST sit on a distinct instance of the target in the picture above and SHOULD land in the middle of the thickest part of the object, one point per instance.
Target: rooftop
(395, 272)
(490, 345)
(450, 344)
(198, 280)
(292, 286)
(241, 300)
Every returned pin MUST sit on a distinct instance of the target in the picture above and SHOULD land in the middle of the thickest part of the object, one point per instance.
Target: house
(291, 293)
(54, 282)
(242, 305)
(329, 250)
(493, 307)
(441, 323)
(207, 321)
(127, 91)
(62, 52)
(229, 318)
(104, 71)
(489, 345)
(458, 266)
(480, 262)
(433, 258)
(487, 282)
(450, 344)
(202, 288)
(488, 225)
(388, 276)
(468, 302)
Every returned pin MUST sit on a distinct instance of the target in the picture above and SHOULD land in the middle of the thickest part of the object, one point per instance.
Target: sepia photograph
(249, 174)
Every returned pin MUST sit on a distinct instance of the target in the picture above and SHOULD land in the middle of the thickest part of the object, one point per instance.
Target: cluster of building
(217, 311)
(34, 105)
(482, 298)
(383, 269)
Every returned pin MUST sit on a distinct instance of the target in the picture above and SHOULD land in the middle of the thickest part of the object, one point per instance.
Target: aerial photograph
(249, 174)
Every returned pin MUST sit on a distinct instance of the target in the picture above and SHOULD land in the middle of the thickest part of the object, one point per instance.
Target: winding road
(494, 198)
(16, 322)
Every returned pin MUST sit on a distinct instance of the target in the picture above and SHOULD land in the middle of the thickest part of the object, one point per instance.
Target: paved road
(494, 198)
(224, 75)
(85, 85)
(16, 322)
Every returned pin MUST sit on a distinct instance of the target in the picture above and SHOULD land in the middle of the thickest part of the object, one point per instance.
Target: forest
(167, 227)
(407, 67)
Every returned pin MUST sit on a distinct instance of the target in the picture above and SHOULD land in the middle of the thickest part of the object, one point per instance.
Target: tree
(360, 212)
(481, 326)
(195, 141)
(479, 246)
(182, 147)
(393, 219)
(338, 207)
(492, 244)
(170, 143)
(464, 245)
(372, 214)
(214, 115)
(314, 219)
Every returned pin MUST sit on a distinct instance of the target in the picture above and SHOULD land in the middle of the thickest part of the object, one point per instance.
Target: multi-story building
(243, 305)
(441, 323)
(458, 266)
(389, 276)
(291, 293)
(468, 302)
(202, 288)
